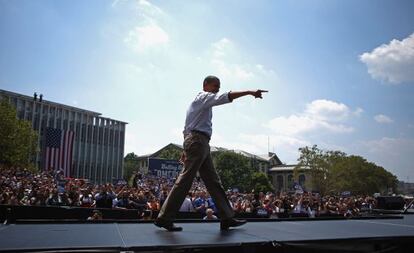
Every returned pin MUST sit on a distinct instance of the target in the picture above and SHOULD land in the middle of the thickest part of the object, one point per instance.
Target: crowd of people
(147, 194)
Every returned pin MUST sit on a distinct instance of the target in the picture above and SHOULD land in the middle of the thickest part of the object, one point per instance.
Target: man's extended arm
(236, 94)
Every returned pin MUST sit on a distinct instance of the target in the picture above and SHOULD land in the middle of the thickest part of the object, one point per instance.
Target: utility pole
(268, 145)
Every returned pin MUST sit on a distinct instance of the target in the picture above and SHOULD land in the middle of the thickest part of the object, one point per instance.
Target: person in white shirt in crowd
(297, 205)
(187, 205)
(210, 215)
(86, 199)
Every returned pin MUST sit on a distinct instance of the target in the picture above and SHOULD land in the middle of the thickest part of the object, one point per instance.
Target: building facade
(98, 142)
(260, 163)
(283, 179)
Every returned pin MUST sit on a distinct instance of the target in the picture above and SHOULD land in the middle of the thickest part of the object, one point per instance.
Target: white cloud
(289, 144)
(327, 110)
(231, 71)
(222, 48)
(286, 147)
(388, 145)
(394, 154)
(261, 69)
(292, 132)
(229, 63)
(149, 8)
(301, 124)
(319, 115)
(223, 54)
(116, 2)
(144, 8)
(393, 62)
(358, 112)
(147, 37)
(148, 33)
(383, 119)
(142, 144)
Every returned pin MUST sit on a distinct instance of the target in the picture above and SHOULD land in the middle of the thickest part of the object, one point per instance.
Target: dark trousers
(197, 150)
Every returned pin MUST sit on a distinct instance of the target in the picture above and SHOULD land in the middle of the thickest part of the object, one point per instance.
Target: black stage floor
(201, 235)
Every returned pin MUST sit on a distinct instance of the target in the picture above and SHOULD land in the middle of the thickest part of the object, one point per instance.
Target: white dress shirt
(187, 206)
(199, 114)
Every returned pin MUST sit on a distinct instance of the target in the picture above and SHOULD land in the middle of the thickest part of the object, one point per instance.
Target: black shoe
(226, 224)
(167, 225)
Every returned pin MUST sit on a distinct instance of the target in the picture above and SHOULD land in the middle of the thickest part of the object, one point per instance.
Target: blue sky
(340, 74)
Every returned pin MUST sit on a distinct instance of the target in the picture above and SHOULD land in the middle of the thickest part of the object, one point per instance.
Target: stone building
(97, 147)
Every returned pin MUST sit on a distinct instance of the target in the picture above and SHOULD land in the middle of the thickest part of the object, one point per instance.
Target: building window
(105, 137)
(52, 117)
(20, 108)
(279, 181)
(83, 132)
(122, 138)
(20, 114)
(65, 122)
(95, 134)
(111, 137)
(89, 139)
(44, 123)
(36, 122)
(290, 181)
(44, 111)
(29, 107)
(72, 125)
(77, 130)
(116, 138)
(100, 131)
(302, 180)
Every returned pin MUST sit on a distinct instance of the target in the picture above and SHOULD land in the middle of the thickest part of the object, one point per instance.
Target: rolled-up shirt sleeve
(212, 99)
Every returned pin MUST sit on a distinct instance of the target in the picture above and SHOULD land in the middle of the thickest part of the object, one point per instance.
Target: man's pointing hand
(258, 93)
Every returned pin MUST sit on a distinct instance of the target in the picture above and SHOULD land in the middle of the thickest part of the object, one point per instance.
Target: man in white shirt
(187, 205)
(196, 156)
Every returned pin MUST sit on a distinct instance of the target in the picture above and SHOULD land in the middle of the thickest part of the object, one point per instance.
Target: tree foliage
(236, 171)
(260, 182)
(130, 165)
(18, 141)
(170, 152)
(335, 171)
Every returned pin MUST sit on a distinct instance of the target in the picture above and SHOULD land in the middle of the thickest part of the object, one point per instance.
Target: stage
(385, 234)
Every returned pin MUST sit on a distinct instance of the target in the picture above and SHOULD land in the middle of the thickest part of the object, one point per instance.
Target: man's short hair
(211, 79)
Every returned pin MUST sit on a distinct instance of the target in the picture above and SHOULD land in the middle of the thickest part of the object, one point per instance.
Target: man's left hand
(183, 158)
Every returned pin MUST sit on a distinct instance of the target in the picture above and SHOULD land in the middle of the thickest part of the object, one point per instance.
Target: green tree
(18, 141)
(235, 170)
(170, 152)
(360, 176)
(313, 158)
(130, 165)
(335, 171)
(260, 182)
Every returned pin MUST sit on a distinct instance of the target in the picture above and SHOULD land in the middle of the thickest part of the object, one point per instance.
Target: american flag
(58, 150)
